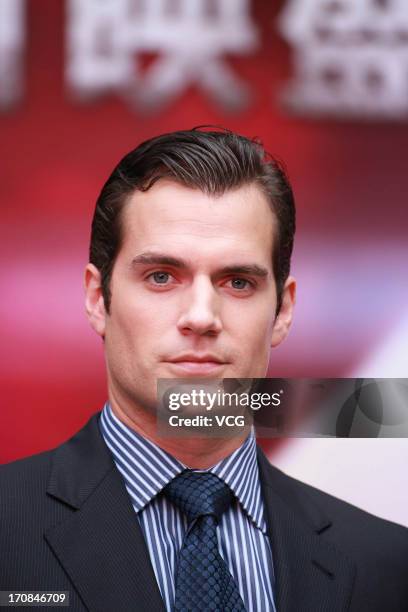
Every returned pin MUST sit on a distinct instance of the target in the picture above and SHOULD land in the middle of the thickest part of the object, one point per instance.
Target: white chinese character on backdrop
(350, 57)
(12, 33)
(190, 37)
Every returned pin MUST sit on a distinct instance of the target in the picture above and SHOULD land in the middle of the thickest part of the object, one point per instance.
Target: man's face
(193, 292)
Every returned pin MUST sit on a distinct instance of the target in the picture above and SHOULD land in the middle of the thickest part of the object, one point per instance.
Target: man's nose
(200, 309)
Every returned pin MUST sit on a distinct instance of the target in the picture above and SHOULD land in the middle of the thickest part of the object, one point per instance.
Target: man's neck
(196, 453)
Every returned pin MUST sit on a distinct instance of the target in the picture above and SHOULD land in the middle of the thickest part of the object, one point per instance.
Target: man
(189, 277)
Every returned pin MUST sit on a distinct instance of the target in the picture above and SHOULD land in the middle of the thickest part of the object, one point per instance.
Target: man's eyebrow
(158, 259)
(167, 260)
(249, 269)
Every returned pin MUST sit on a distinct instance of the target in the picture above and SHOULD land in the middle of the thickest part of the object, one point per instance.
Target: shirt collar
(147, 468)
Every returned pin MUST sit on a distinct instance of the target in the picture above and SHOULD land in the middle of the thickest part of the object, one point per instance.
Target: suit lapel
(310, 573)
(101, 545)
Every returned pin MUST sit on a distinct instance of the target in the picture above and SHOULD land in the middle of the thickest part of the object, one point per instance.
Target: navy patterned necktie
(203, 581)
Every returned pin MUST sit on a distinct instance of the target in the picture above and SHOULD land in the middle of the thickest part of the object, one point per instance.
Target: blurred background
(324, 85)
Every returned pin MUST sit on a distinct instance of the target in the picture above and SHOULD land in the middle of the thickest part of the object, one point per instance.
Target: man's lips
(196, 358)
(196, 364)
(195, 367)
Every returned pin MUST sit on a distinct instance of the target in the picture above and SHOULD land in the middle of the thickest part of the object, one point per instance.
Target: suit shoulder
(24, 475)
(347, 510)
(353, 529)
(339, 508)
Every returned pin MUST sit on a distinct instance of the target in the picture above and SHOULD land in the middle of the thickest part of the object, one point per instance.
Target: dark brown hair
(212, 161)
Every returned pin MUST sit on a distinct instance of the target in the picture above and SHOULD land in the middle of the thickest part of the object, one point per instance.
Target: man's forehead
(171, 209)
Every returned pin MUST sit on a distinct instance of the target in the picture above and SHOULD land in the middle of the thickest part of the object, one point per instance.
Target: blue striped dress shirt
(242, 536)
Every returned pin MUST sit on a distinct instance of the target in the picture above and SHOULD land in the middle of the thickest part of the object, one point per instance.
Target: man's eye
(241, 283)
(159, 278)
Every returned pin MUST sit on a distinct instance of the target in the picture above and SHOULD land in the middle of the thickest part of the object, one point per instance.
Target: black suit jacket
(67, 523)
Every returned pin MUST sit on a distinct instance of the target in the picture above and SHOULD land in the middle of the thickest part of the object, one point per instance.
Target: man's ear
(94, 304)
(284, 319)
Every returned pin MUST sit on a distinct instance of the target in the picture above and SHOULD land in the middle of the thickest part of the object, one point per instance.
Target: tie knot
(199, 493)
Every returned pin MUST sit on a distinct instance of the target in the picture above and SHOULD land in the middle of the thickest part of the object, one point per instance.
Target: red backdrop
(350, 182)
